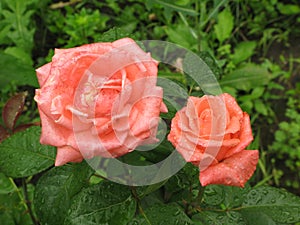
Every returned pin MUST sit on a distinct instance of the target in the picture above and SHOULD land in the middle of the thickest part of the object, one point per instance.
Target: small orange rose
(212, 132)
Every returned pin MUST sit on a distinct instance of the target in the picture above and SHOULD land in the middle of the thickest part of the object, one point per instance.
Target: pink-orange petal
(163, 108)
(233, 171)
(245, 136)
(233, 126)
(67, 154)
(52, 133)
(232, 106)
(42, 73)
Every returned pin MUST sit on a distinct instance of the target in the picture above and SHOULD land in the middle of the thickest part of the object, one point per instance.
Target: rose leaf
(22, 155)
(104, 203)
(55, 189)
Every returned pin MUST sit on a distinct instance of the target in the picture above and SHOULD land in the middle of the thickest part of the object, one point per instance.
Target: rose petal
(233, 171)
(232, 106)
(107, 145)
(233, 126)
(52, 133)
(122, 42)
(97, 48)
(163, 108)
(43, 73)
(148, 109)
(191, 116)
(245, 137)
(205, 123)
(67, 154)
(199, 104)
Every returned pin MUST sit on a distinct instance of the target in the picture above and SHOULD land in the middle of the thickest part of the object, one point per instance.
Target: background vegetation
(252, 46)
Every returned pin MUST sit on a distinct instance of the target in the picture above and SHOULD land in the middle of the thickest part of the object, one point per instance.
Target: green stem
(200, 194)
(196, 202)
(16, 189)
(28, 202)
(136, 197)
(24, 199)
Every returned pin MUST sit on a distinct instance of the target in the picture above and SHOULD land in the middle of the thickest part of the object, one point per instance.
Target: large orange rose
(98, 100)
(212, 132)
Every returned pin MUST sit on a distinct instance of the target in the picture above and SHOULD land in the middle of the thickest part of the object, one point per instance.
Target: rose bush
(212, 132)
(98, 100)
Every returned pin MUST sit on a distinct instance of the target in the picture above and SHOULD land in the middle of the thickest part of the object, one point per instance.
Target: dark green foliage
(24, 147)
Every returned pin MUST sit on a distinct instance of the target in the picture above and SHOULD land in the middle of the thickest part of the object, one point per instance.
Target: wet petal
(53, 133)
(43, 73)
(245, 136)
(163, 108)
(233, 171)
(233, 126)
(67, 154)
(232, 106)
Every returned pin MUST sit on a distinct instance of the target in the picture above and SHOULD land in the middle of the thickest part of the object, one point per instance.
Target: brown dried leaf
(12, 109)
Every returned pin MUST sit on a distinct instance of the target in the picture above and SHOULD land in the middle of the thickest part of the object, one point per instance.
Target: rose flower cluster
(102, 100)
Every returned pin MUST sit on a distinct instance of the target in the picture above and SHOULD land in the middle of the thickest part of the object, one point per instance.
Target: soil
(280, 53)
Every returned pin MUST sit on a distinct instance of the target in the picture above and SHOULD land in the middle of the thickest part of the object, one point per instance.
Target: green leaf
(255, 94)
(113, 34)
(20, 54)
(271, 204)
(197, 69)
(217, 195)
(247, 106)
(18, 15)
(6, 185)
(162, 214)
(104, 203)
(288, 9)
(246, 77)
(180, 34)
(55, 189)
(182, 2)
(243, 51)
(145, 190)
(260, 107)
(176, 8)
(220, 218)
(224, 26)
(22, 155)
(3, 32)
(13, 69)
(211, 62)
(217, 5)
(6, 219)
